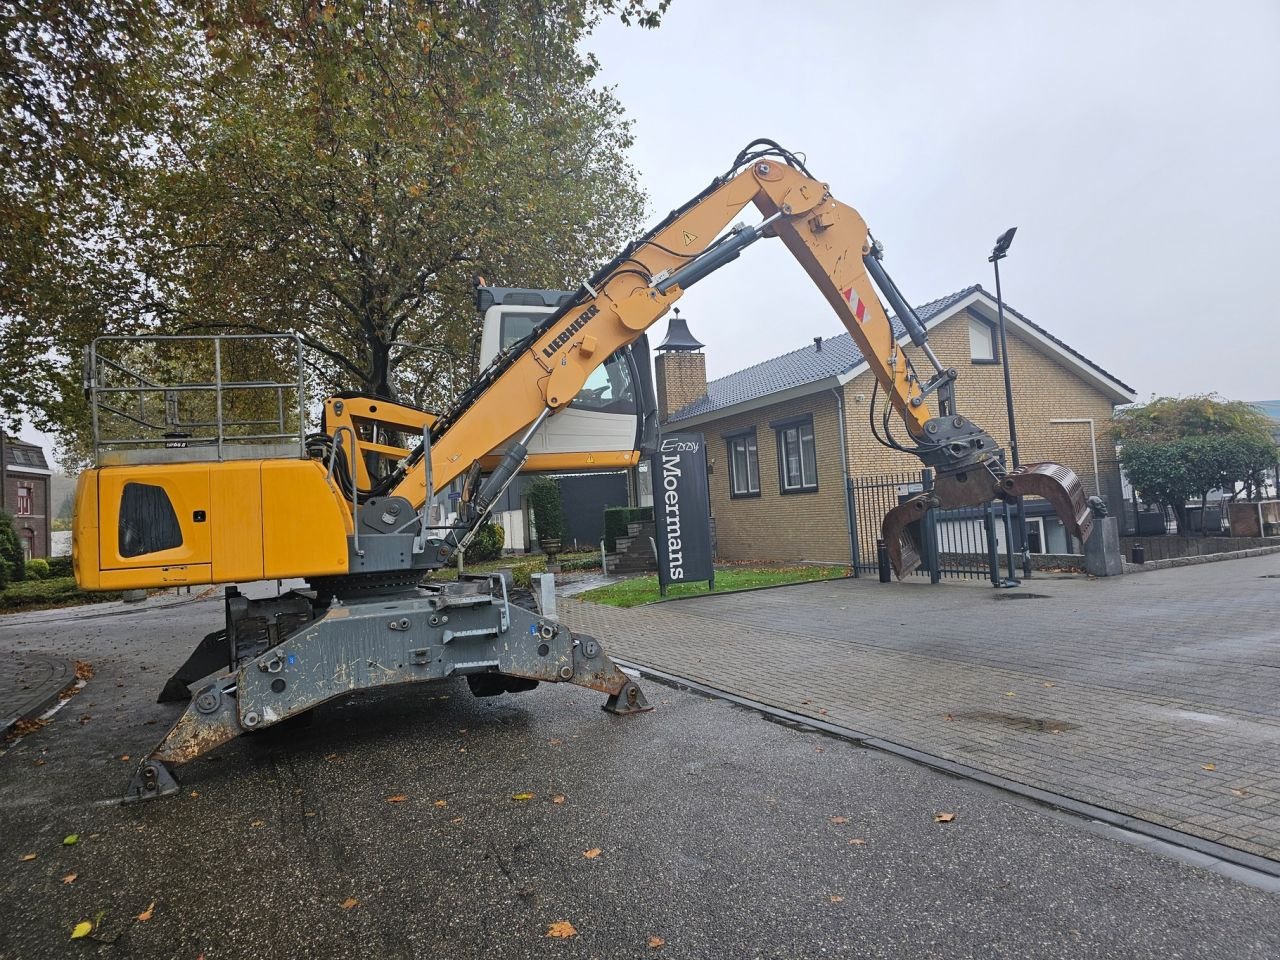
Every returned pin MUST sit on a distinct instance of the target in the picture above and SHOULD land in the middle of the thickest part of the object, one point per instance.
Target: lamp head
(1002, 245)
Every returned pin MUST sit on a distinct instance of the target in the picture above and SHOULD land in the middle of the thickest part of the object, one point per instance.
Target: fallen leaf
(561, 929)
(1048, 684)
(442, 803)
(71, 839)
(82, 929)
(817, 750)
(348, 903)
(857, 842)
(148, 913)
(836, 898)
(456, 820)
(555, 741)
(1010, 694)
(69, 878)
(948, 717)
(806, 702)
(1240, 793)
(1209, 766)
(309, 813)
(522, 796)
(39, 763)
(943, 817)
(397, 798)
(656, 943)
(27, 856)
(331, 757)
(823, 711)
(124, 756)
(839, 819)
(195, 793)
(558, 798)
(255, 824)
(592, 853)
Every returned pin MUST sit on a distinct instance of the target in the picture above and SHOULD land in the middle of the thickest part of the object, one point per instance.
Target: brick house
(25, 478)
(785, 436)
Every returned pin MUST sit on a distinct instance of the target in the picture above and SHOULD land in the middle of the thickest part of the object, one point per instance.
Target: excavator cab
(614, 417)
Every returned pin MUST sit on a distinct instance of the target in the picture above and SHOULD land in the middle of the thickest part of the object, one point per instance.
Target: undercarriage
(280, 657)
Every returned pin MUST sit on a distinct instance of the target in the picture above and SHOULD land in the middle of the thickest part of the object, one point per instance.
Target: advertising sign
(681, 512)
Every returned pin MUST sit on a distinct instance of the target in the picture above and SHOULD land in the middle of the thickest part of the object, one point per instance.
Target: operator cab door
(154, 516)
(608, 414)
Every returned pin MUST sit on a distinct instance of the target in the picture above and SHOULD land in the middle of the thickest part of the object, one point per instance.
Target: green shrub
(487, 544)
(548, 509)
(522, 573)
(580, 563)
(37, 569)
(55, 592)
(616, 520)
(61, 567)
(11, 549)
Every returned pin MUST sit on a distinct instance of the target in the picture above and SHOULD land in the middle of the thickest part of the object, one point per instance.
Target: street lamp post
(1000, 251)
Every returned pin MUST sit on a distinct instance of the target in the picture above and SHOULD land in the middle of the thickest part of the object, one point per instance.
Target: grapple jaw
(1060, 486)
(977, 485)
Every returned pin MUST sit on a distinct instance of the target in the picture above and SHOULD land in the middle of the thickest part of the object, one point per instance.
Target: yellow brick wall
(777, 526)
(813, 526)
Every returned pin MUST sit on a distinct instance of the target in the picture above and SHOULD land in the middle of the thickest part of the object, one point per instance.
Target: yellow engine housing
(163, 525)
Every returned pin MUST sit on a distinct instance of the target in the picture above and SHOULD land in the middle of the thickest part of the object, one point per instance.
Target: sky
(1135, 145)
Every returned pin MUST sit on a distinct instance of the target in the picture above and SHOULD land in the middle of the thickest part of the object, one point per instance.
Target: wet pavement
(720, 833)
(1156, 695)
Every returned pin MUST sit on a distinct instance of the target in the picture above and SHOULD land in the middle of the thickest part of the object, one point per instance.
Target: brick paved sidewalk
(1157, 696)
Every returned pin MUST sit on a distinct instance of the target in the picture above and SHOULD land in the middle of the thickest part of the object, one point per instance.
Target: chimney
(817, 344)
(679, 369)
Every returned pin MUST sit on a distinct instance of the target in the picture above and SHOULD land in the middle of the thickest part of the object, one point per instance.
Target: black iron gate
(956, 544)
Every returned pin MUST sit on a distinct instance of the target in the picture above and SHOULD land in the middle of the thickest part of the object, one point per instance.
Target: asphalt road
(715, 830)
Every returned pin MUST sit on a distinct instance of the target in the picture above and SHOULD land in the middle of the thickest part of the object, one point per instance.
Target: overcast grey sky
(1135, 145)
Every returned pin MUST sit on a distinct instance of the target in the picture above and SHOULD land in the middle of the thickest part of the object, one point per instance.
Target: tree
(1176, 450)
(336, 170)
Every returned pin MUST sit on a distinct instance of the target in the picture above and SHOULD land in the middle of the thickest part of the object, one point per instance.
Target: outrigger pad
(152, 780)
(209, 656)
(630, 699)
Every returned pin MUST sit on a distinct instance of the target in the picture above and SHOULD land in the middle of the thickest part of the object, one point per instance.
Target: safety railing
(191, 398)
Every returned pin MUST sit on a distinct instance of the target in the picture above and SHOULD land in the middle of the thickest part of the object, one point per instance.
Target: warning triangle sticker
(689, 237)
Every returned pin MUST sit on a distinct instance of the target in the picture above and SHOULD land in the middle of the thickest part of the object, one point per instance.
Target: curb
(62, 675)
(1171, 562)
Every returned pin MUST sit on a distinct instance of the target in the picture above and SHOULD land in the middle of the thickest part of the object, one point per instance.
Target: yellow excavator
(385, 493)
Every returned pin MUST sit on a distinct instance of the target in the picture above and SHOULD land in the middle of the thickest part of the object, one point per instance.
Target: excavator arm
(542, 374)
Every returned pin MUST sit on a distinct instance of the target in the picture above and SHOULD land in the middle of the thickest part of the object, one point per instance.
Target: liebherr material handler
(363, 540)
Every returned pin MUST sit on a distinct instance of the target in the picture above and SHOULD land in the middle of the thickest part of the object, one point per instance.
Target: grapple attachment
(966, 488)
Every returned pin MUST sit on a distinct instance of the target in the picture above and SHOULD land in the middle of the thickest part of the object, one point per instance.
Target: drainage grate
(1022, 596)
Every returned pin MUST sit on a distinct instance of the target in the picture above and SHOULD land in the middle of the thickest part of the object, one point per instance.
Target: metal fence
(955, 544)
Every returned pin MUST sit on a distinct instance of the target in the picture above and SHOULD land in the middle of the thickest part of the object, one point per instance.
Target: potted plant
(548, 515)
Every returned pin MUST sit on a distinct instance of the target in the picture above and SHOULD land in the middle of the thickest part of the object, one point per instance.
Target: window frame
(994, 359)
(751, 452)
(800, 425)
(26, 500)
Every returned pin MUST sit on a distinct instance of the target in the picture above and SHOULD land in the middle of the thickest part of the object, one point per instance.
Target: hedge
(616, 520)
(54, 592)
(487, 544)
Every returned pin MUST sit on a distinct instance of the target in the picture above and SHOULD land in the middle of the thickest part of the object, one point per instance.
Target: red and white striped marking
(859, 308)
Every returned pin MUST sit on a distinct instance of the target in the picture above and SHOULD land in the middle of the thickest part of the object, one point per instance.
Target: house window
(797, 457)
(744, 466)
(28, 539)
(24, 499)
(982, 341)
